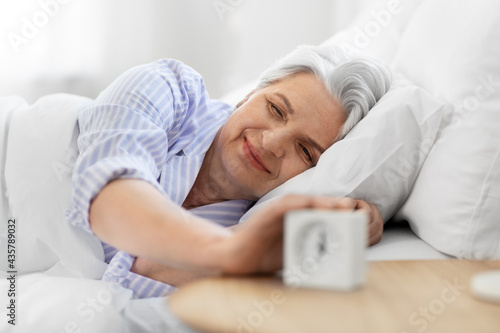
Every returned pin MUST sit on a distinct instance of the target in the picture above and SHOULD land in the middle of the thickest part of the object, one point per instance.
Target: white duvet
(57, 266)
(40, 151)
(57, 284)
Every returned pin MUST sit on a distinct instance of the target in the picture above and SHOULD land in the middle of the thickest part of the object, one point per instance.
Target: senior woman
(163, 169)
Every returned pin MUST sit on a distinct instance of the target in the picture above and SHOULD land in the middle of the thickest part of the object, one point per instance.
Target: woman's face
(278, 132)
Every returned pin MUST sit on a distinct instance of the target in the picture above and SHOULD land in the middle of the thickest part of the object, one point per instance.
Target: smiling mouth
(253, 157)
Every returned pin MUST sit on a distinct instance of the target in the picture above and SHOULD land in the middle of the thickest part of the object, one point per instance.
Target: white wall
(80, 46)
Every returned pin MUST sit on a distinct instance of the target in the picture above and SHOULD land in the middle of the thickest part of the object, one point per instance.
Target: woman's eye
(277, 111)
(306, 152)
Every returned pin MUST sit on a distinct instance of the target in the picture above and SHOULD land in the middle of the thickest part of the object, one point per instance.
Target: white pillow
(380, 158)
(452, 49)
(41, 152)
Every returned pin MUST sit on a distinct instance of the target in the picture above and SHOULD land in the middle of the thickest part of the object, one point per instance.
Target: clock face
(318, 248)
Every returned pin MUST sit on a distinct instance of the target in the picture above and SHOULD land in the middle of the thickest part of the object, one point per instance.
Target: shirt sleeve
(125, 133)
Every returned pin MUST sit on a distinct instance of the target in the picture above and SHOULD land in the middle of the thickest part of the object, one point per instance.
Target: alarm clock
(325, 249)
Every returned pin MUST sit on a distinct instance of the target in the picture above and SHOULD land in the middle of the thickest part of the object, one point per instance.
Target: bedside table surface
(399, 296)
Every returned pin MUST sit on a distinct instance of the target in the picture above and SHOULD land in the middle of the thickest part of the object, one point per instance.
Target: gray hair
(357, 82)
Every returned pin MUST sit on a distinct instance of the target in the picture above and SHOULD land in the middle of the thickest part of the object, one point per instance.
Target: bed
(428, 155)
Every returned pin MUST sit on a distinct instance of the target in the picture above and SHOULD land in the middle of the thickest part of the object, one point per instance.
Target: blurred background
(80, 46)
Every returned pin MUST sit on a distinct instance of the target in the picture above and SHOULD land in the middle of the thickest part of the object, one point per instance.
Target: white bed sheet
(399, 242)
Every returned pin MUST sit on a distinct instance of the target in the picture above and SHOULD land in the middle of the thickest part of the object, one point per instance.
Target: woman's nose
(275, 142)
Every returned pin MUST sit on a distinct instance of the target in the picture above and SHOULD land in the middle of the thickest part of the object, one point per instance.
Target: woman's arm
(176, 277)
(132, 215)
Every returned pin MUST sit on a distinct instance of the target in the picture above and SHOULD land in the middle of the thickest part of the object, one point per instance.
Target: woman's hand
(257, 245)
(375, 221)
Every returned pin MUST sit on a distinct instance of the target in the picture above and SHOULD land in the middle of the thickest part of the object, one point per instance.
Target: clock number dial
(318, 248)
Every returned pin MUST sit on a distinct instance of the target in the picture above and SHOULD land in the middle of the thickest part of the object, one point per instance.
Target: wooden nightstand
(399, 296)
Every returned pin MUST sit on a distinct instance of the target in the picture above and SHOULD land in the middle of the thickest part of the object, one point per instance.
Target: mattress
(399, 242)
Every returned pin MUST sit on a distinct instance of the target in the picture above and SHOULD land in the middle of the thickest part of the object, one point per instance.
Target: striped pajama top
(155, 123)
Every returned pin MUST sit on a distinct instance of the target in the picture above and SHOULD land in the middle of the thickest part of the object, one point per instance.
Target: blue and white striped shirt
(155, 123)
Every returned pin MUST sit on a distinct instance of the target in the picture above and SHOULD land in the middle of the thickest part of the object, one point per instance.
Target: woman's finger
(375, 221)
(291, 202)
